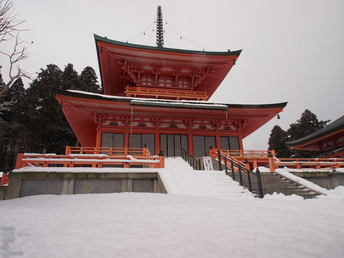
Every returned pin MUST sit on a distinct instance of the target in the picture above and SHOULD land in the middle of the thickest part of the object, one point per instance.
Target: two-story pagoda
(158, 97)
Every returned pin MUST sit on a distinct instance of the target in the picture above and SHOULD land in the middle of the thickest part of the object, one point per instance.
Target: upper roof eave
(174, 50)
(159, 102)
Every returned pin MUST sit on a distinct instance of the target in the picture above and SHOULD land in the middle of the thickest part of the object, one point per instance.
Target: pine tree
(70, 78)
(307, 124)
(36, 121)
(11, 131)
(13, 95)
(88, 80)
(48, 127)
(277, 142)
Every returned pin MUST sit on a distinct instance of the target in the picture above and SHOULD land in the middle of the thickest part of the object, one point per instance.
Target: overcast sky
(292, 50)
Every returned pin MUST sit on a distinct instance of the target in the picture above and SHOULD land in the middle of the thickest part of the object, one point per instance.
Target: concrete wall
(3, 190)
(37, 183)
(328, 180)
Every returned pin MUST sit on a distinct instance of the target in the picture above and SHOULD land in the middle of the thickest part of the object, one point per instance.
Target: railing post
(19, 160)
(4, 178)
(249, 180)
(162, 161)
(271, 163)
(259, 181)
(226, 168)
(247, 165)
(232, 167)
(219, 158)
(240, 175)
(67, 152)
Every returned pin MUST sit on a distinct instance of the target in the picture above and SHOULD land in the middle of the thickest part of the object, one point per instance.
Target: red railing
(318, 163)
(248, 154)
(214, 153)
(4, 179)
(253, 158)
(157, 92)
(110, 151)
(92, 157)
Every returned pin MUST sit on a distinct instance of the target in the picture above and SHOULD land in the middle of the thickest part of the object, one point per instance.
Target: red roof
(123, 64)
(81, 110)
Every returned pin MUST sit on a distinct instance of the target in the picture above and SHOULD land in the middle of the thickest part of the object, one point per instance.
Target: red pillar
(99, 137)
(190, 145)
(157, 143)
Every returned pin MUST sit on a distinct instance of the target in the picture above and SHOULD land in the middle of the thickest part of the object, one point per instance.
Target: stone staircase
(272, 182)
(186, 181)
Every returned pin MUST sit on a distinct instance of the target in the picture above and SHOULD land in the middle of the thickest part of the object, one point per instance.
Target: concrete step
(272, 182)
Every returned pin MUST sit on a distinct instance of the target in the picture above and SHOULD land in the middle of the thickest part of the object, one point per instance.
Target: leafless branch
(8, 26)
(8, 20)
(15, 56)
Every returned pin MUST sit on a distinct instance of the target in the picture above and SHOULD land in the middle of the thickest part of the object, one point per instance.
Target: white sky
(292, 50)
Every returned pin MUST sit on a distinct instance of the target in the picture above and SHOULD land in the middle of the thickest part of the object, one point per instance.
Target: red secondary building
(328, 140)
(157, 96)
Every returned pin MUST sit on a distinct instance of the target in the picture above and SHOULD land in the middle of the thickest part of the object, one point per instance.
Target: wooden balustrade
(268, 158)
(92, 157)
(160, 92)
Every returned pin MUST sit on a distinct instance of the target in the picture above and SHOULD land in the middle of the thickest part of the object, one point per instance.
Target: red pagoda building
(158, 97)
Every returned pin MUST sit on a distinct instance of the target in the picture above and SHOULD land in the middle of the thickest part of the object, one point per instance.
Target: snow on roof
(205, 104)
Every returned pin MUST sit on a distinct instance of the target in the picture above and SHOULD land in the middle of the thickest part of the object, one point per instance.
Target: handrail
(111, 151)
(83, 157)
(268, 158)
(144, 90)
(194, 163)
(245, 154)
(299, 163)
(237, 166)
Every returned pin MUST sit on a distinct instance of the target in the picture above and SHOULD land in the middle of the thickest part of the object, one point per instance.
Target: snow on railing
(88, 157)
(253, 159)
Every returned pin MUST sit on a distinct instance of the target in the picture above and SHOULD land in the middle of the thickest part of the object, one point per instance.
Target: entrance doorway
(171, 144)
(202, 144)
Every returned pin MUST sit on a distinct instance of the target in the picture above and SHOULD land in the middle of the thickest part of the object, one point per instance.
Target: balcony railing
(131, 91)
(267, 158)
(92, 157)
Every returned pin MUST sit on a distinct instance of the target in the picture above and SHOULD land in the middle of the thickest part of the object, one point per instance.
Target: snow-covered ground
(172, 225)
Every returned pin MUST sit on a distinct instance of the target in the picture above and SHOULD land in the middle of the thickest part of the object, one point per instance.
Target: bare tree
(9, 31)
(8, 21)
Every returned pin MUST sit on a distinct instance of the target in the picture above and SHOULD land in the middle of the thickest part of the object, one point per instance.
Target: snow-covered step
(179, 178)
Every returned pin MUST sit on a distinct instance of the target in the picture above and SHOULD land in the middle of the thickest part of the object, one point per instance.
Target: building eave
(335, 127)
(165, 49)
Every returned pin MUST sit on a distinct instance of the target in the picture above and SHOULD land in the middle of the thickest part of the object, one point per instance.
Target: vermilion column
(240, 140)
(99, 137)
(157, 143)
(190, 145)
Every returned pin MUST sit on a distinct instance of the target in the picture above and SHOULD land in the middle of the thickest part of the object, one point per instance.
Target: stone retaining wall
(36, 183)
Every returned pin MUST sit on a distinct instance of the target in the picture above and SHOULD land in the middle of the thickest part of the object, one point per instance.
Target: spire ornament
(159, 29)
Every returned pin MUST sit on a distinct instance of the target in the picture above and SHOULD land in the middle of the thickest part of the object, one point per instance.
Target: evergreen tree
(70, 78)
(11, 131)
(277, 142)
(49, 129)
(35, 121)
(13, 95)
(88, 80)
(307, 124)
